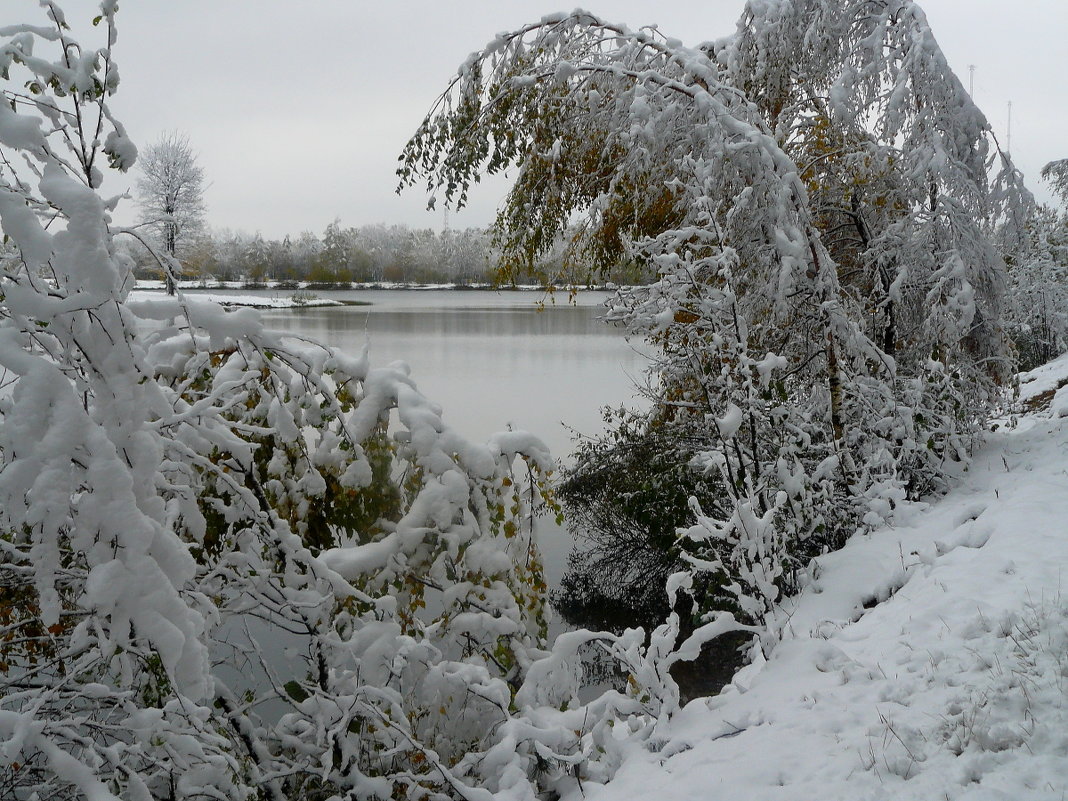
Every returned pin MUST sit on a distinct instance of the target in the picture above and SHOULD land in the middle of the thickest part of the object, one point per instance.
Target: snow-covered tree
(815, 194)
(170, 192)
(1038, 278)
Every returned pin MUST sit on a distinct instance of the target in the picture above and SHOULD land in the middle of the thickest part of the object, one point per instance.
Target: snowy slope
(951, 684)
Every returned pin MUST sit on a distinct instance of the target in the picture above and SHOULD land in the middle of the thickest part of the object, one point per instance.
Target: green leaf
(295, 691)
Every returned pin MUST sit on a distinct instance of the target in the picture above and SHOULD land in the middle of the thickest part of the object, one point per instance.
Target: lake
(491, 359)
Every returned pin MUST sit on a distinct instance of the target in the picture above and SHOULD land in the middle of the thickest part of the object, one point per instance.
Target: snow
(729, 424)
(120, 149)
(925, 660)
(19, 132)
(1044, 379)
(253, 301)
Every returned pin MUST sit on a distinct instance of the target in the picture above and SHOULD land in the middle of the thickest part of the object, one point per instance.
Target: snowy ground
(928, 661)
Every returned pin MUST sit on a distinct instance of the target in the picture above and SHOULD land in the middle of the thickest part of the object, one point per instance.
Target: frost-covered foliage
(1037, 260)
(817, 193)
(234, 565)
(1056, 172)
(1037, 318)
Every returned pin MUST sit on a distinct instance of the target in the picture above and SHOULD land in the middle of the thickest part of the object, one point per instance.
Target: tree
(1038, 278)
(255, 260)
(1037, 316)
(341, 259)
(171, 195)
(831, 375)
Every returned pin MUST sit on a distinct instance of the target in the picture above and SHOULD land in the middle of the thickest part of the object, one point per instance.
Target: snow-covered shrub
(1037, 318)
(416, 571)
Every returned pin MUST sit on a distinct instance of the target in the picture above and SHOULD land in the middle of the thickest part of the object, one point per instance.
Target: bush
(626, 497)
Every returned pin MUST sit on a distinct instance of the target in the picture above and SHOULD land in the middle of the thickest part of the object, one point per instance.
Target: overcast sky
(298, 110)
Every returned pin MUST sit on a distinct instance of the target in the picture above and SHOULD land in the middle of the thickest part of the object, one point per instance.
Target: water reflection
(480, 322)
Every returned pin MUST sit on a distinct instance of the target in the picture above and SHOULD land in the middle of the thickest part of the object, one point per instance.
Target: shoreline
(374, 286)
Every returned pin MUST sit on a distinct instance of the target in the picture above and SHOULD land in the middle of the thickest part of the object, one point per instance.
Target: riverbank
(295, 300)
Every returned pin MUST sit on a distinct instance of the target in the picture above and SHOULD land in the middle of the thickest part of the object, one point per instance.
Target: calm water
(490, 359)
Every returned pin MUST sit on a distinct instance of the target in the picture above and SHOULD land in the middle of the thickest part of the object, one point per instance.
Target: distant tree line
(368, 253)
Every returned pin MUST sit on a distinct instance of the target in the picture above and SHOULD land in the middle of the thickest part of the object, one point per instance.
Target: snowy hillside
(928, 661)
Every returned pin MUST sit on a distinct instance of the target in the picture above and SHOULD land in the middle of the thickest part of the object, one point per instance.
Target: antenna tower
(1008, 134)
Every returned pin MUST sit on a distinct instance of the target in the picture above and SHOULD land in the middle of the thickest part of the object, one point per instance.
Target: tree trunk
(170, 245)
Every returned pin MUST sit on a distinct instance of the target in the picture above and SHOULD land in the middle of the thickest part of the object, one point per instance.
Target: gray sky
(299, 109)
